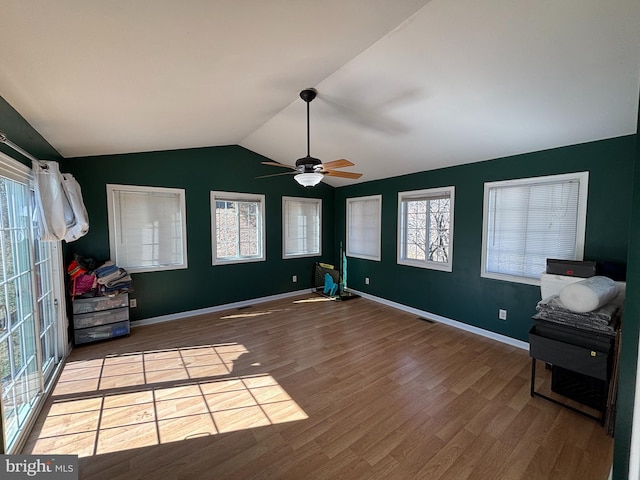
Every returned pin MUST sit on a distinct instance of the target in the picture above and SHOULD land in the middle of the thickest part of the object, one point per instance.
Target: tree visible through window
(237, 227)
(425, 228)
(428, 229)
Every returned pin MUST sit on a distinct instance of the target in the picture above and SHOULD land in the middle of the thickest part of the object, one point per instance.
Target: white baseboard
(216, 308)
(440, 319)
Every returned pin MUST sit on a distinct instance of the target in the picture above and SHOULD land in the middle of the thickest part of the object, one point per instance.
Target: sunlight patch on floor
(246, 315)
(157, 397)
(315, 300)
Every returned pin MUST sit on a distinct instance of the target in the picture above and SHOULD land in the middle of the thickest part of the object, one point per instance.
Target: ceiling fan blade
(333, 173)
(277, 174)
(337, 164)
(276, 164)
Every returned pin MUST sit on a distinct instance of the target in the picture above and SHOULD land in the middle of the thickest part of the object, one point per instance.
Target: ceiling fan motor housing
(308, 164)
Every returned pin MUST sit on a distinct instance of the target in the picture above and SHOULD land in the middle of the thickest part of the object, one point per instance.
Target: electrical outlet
(502, 314)
(133, 303)
(366, 280)
(294, 279)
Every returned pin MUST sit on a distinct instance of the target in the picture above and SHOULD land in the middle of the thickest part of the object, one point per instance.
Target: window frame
(583, 180)
(216, 196)
(316, 201)
(349, 243)
(111, 188)
(424, 194)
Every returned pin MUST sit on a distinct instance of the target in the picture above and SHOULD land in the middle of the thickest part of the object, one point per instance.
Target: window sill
(442, 267)
(511, 278)
(232, 261)
(301, 255)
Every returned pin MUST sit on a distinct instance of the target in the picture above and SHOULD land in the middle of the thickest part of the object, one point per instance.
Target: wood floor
(305, 388)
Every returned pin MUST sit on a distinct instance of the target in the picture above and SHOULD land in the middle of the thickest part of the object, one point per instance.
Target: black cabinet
(589, 355)
(580, 362)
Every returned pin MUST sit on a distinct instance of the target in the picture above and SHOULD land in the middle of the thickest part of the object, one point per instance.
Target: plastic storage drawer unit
(100, 318)
(103, 317)
(97, 304)
(101, 332)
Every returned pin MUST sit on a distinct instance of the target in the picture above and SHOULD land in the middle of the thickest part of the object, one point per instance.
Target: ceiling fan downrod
(308, 95)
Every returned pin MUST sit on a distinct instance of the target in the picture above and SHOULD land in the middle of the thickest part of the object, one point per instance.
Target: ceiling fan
(308, 170)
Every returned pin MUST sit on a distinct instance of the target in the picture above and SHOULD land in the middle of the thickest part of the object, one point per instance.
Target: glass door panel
(18, 347)
(47, 308)
(45, 253)
(28, 320)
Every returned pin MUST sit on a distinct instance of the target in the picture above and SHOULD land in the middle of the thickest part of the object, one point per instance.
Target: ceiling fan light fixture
(308, 179)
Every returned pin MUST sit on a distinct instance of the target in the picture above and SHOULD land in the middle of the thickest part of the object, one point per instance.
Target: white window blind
(363, 227)
(527, 221)
(237, 227)
(425, 228)
(301, 220)
(147, 227)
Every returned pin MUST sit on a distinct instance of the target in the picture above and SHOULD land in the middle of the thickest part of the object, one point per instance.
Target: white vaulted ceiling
(404, 85)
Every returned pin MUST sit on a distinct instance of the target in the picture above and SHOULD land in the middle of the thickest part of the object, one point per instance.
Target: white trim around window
(237, 228)
(301, 227)
(364, 225)
(425, 228)
(528, 220)
(147, 227)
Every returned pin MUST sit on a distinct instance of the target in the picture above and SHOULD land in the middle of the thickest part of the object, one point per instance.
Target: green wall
(24, 135)
(463, 295)
(199, 171)
(630, 333)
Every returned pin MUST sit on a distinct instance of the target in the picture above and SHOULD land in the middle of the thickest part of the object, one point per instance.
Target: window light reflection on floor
(251, 314)
(157, 397)
(246, 315)
(316, 300)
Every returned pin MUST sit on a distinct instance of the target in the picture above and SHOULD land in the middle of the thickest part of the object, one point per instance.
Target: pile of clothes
(112, 278)
(603, 319)
(91, 279)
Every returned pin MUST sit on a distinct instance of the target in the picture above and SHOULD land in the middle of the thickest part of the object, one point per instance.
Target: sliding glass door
(46, 268)
(29, 331)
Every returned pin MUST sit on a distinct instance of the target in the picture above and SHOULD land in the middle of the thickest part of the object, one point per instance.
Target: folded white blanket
(588, 294)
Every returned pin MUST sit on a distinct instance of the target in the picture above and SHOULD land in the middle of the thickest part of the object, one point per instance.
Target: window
(147, 227)
(301, 224)
(237, 227)
(529, 220)
(363, 227)
(425, 228)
